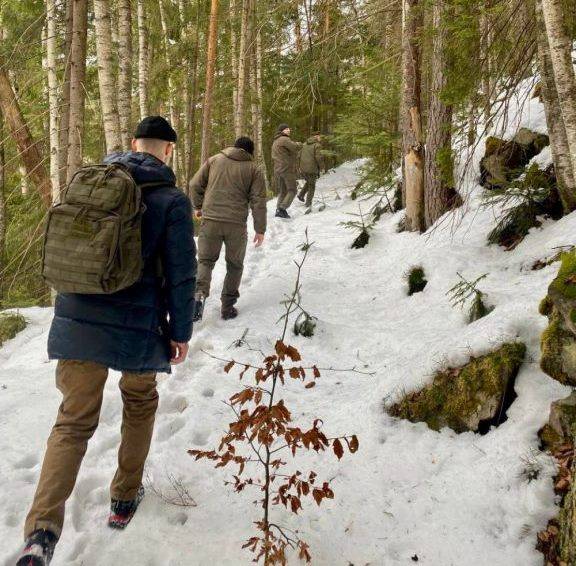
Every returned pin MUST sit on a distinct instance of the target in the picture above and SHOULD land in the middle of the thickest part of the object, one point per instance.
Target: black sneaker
(229, 313)
(38, 549)
(282, 213)
(199, 300)
(121, 512)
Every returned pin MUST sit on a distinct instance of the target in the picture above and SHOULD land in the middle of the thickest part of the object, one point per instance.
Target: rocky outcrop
(470, 398)
(505, 160)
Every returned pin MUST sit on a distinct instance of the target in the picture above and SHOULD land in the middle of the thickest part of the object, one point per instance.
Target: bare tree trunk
(413, 148)
(64, 133)
(298, 28)
(77, 87)
(125, 70)
(51, 32)
(171, 108)
(486, 41)
(234, 58)
(210, 67)
(556, 128)
(3, 211)
(193, 101)
(439, 175)
(239, 117)
(561, 55)
(28, 149)
(106, 76)
(142, 59)
(259, 142)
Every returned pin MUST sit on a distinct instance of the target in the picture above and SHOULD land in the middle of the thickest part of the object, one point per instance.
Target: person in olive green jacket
(311, 164)
(285, 158)
(223, 191)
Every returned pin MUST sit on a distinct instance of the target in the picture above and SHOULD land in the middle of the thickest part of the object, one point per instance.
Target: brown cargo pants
(286, 185)
(82, 387)
(309, 188)
(234, 237)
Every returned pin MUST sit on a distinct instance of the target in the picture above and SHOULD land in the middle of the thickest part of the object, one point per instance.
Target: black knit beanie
(282, 127)
(246, 144)
(155, 127)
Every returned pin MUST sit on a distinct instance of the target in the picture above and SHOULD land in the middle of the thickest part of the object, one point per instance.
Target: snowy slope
(449, 499)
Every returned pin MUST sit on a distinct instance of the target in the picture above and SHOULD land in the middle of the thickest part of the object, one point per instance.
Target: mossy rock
(416, 280)
(464, 398)
(10, 325)
(561, 427)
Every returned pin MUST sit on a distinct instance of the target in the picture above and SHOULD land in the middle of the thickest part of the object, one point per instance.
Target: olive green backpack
(93, 240)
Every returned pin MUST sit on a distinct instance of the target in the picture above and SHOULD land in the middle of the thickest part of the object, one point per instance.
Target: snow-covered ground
(448, 499)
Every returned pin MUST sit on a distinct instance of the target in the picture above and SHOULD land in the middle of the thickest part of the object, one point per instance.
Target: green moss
(456, 396)
(416, 280)
(10, 325)
(567, 523)
(478, 309)
(549, 437)
(552, 344)
(565, 282)
(546, 306)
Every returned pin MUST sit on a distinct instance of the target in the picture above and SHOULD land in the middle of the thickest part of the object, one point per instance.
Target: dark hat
(246, 144)
(283, 127)
(155, 127)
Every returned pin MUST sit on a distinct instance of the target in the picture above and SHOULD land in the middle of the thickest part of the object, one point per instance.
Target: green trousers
(213, 235)
(309, 188)
(286, 185)
(82, 387)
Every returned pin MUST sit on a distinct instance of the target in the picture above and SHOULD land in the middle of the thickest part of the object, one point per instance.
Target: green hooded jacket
(285, 154)
(311, 158)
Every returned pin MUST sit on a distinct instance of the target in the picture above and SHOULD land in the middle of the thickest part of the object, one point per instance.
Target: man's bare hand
(178, 352)
(198, 213)
(258, 240)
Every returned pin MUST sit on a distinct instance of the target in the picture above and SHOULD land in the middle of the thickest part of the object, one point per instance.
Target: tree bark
(193, 101)
(561, 55)
(142, 59)
(242, 69)
(64, 133)
(556, 128)
(413, 148)
(234, 58)
(208, 93)
(439, 175)
(51, 47)
(3, 211)
(106, 76)
(28, 149)
(125, 71)
(77, 86)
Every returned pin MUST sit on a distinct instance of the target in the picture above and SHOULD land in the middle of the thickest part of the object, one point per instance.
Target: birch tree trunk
(52, 30)
(439, 175)
(106, 76)
(125, 70)
(242, 69)
(413, 148)
(208, 93)
(142, 59)
(64, 133)
(561, 55)
(556, 128)
(77, 87)
(28, 149)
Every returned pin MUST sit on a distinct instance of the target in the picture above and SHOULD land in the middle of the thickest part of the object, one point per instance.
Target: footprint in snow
(177, 404)
(27, 462)
(208, 392)
(200, 438)
(178, 519)
(168, 430)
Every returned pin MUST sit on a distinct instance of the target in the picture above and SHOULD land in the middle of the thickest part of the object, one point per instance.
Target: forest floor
(409, 494)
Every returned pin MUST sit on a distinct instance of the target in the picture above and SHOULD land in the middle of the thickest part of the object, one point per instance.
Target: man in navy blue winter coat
(139, 331)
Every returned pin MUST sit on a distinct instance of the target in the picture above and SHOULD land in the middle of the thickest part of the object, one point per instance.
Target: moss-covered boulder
(10, 325)
(561, 426)
(465, 398)
(558, 342)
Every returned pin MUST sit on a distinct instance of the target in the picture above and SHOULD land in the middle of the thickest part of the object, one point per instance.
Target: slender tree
(439, 178)
(77, 86)
(208, 92)
(243, 63)
(53, 110)
(560, 44)
(413, 147)
(143, 70)
(106, 76)
(64, 126)
(125, 70)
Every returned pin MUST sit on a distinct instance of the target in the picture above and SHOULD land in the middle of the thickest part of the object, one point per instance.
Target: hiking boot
(38, 549)
(199, 301)
(121, 512)
(229, 313)
(300, 197)
(282, 213)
